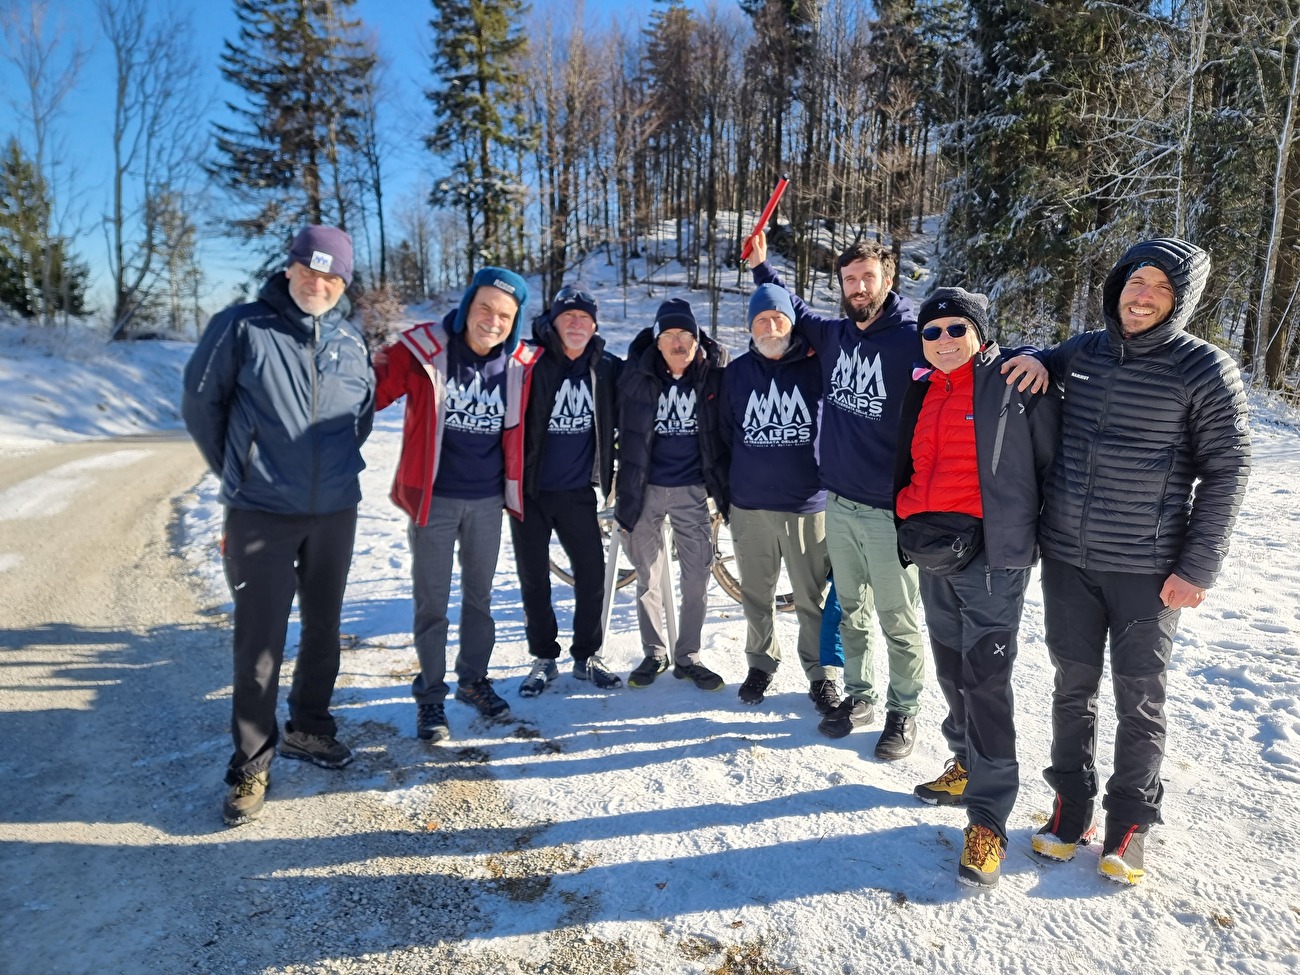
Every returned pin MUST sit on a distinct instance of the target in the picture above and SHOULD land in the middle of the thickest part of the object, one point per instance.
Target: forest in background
(1043, 137)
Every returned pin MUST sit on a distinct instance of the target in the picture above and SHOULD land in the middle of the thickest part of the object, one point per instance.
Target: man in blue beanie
(279, 397)
(771, 397)
(466, 382)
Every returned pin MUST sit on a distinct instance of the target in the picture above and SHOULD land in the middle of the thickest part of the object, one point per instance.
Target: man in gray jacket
(279, 396)
(1149, 412)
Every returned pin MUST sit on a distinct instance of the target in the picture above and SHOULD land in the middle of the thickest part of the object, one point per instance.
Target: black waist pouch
(941, 541)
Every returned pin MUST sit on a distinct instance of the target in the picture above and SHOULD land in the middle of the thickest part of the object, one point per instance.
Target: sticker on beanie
(320, 261)
(507, 288)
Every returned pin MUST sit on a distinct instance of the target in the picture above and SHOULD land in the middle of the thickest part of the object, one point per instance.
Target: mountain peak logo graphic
(676, 414)
(473, 409)
(858, 384)
(777, 418)
(574, 409)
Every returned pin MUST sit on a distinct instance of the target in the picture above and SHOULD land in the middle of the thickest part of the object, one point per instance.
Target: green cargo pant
(863, 547)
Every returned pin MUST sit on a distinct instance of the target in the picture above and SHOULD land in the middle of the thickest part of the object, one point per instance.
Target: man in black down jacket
(1149, 412)
(672, 456)
(568, 447)
(279, 396)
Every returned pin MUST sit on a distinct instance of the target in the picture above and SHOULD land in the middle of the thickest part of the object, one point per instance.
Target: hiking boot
(1069, 827)
(485, 700)
(981, 857)
(850, 713)
(947, 789)
(542, 673)
(705, 679)
(594, 670)
(245, 799)
(646, 671)
(825, 694)
(1121, 853)
(431, 723)
(897, 739)
(756, 682)
(323, 750)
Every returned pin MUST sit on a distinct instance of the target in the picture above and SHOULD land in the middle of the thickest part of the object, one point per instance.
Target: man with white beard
(770, 401)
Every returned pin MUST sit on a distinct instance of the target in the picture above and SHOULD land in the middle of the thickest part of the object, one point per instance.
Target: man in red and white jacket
(466, 381)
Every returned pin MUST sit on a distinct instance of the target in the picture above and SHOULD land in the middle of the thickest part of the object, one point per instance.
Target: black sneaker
(485, 700)
(594, 670)
(825, 694)
(646, 672)
(245, 799)
(705, 679)
(850, 713)
(1069, 827)
(897, 739)
(756, 681)
(431, 723)
(543, 672)
(1122, 851)
(323, 750)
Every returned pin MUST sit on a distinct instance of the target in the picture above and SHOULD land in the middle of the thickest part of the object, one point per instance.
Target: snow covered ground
(711, 836)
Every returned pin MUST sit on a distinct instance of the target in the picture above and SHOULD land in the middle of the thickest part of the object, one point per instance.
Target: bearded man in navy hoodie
(866, 359)
(771, 397)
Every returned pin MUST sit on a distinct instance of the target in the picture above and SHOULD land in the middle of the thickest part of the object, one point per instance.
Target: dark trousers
(973, 617)
(572, 516)
(1081, 609)
(267, 558)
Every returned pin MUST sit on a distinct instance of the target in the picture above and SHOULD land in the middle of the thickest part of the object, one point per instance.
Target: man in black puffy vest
(1149, 412)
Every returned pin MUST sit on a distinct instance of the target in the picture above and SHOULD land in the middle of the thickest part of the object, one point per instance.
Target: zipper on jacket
(598, 468)
(315, 444)
(1092, 465)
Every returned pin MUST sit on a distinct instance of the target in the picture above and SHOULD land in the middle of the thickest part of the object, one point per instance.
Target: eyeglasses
(570, 293)
(931, 333)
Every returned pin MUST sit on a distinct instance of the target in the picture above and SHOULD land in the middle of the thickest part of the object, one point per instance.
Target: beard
(773, 346)
(865, 312)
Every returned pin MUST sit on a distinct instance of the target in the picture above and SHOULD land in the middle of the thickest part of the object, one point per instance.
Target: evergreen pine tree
(23, 198)
(304, 69)
(480, 121)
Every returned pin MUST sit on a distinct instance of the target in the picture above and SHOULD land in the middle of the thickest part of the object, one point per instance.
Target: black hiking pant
(973, 617)
(572, 516)
(1082, 609)
(268, 557)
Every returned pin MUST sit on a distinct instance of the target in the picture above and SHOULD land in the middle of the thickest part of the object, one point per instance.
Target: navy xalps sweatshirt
(865, 373)
(769, 414)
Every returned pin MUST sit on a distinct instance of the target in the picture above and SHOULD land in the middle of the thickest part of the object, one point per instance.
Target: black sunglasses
(569, 293)
(931, 333)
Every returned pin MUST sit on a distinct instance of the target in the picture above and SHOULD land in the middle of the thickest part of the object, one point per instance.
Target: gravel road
(114, 708)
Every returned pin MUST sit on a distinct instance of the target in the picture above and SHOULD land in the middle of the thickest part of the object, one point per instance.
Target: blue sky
(83, 133)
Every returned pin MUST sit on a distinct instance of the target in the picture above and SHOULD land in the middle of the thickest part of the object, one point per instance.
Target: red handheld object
(768, 210)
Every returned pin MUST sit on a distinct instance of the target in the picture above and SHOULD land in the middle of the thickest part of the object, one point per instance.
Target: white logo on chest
(858, 385)
(777, 418)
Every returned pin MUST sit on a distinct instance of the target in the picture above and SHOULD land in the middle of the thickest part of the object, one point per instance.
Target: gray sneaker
(245, 799)
(543, 672)
(323, 750)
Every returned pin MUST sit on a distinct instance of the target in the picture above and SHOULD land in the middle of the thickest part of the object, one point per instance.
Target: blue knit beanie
(770, 297)
(504, 280)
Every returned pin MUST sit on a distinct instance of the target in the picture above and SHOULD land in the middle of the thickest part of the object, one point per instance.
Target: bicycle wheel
(724, 564)
(560, 560)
